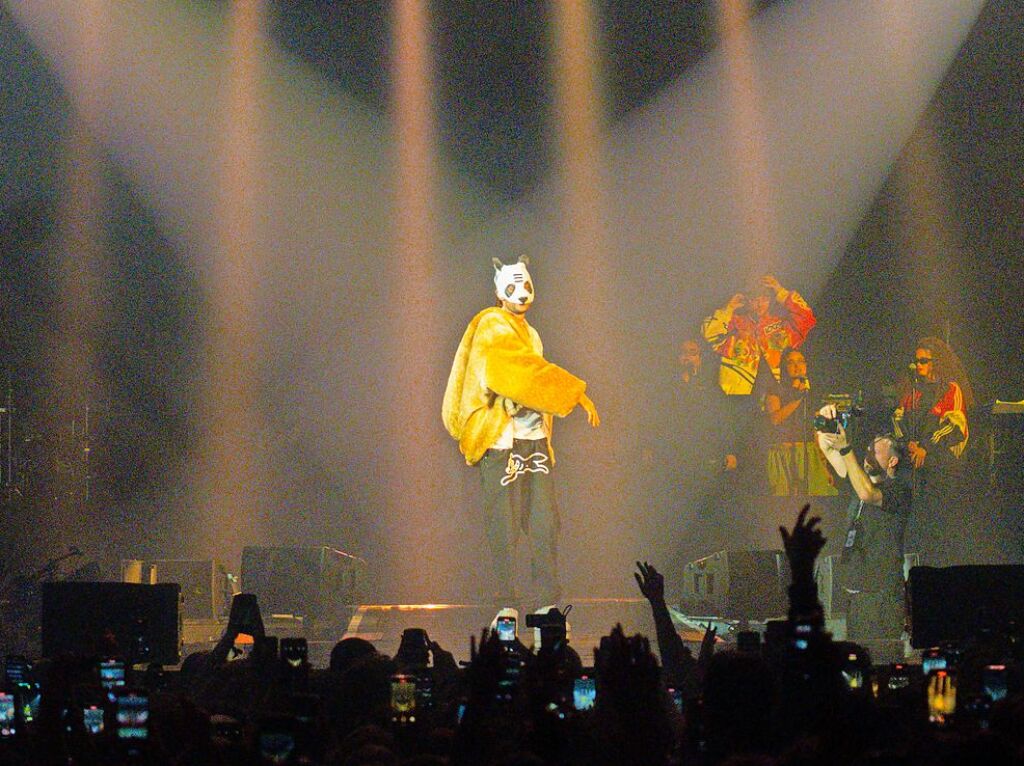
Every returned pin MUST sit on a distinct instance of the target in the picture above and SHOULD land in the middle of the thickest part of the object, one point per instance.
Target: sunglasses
(923, 360)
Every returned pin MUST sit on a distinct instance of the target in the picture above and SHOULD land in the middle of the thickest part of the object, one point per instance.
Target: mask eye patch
(509, 290)
(528, 286)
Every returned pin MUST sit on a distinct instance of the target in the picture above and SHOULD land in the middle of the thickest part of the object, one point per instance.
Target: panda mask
(513, 283)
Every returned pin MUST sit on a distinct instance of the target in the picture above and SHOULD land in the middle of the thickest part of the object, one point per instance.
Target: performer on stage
(932, 415)
(764, 324)
(499, 404)
(932, 419)
(796, 466)
(692, 372)
(700, 433)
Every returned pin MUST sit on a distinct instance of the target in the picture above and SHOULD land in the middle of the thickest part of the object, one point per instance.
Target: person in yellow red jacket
(748, 328)
(499, 404)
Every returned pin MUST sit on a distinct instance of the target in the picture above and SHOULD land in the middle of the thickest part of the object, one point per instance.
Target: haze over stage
(199, 241)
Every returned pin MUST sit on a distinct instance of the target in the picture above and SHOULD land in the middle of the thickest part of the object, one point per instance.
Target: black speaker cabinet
(744, 585)
(313, 582)
(143, 621)
(954, 603)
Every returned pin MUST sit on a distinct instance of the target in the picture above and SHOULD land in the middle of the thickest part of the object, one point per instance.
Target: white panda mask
(513, 283)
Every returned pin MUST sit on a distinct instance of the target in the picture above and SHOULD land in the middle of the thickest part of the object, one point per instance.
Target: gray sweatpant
(519, 502)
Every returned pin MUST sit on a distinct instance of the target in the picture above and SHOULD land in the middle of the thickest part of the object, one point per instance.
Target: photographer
(871, 565)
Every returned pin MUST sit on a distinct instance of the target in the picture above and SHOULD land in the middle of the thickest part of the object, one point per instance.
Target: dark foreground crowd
(796, 698)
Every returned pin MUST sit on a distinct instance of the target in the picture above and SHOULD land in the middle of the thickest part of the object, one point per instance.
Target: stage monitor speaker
(955, 603)
(204, 586)
(742, 585)
(143, 620)
(313, 582)
(205, 592)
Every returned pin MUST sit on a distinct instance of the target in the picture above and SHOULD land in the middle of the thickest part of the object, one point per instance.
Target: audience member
(804, 699)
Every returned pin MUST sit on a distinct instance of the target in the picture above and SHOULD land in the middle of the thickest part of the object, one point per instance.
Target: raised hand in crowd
(707, 650)
(625, 664)
(677, 660)
(803, 544)
(651, 582)
(486, 663)
(493, 717)
(244, 617)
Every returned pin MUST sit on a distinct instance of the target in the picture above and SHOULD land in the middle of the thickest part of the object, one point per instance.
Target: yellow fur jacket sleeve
(498, 359)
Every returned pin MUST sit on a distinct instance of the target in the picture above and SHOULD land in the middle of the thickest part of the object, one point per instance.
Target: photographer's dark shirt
(872, 558)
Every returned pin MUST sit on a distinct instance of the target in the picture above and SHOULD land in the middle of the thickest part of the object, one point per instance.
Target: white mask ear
(497, 264)
(524, 259)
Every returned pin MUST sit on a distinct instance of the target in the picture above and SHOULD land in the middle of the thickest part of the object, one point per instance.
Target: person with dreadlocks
(932, 419)
(932, 413)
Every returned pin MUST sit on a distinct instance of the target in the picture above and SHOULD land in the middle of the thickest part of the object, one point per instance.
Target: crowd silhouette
(795, 697)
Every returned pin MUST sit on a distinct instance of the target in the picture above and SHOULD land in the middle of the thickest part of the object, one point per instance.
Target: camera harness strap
(851, 536)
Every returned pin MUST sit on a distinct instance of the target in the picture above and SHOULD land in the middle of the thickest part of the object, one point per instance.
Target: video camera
(827, 425)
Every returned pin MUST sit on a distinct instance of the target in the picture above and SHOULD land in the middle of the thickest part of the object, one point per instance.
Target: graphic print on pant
(518, 465)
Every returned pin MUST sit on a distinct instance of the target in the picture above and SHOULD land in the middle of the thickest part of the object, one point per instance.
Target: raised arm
(799, 316)
(676, 659)
(866, 490)
(514, 370)
(802, 545)
(777, 412)
(825, 444)
(717, 328)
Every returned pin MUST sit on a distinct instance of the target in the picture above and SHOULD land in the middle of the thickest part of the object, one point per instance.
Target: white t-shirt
(525, 424)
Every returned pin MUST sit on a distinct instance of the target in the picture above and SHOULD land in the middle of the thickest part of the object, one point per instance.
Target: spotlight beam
(835, 112)
(841, 85)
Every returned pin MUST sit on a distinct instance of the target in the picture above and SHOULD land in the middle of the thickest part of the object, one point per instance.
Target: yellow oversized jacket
(501, 357)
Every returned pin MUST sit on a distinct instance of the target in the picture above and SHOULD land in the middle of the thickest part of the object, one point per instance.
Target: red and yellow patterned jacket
(741, 340)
